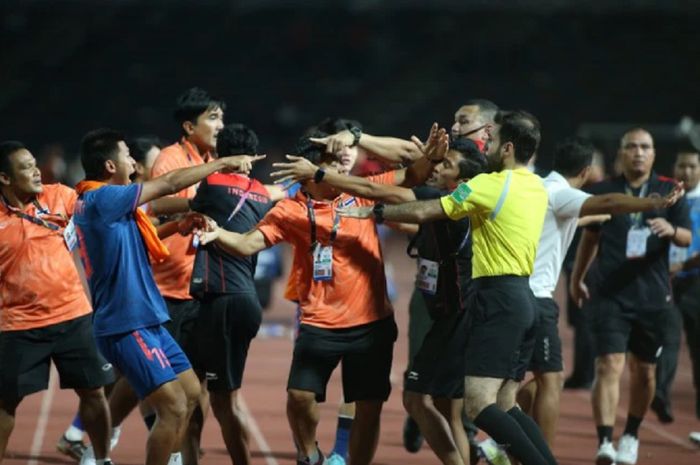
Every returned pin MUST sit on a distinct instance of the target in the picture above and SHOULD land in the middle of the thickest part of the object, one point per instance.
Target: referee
(506, 209)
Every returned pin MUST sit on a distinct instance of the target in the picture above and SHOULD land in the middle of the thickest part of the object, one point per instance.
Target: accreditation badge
(637, 242)
(323, 262)
(427, 276)
(70, 236)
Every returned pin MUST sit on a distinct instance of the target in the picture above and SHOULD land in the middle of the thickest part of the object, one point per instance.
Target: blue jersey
(124, 293)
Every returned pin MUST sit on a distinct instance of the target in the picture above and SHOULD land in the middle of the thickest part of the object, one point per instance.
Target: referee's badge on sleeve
(460, 194)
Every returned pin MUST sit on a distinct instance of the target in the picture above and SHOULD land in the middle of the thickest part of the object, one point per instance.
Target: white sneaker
(606, 454)
(695, 437)
(88, 457)
(627, 450)
(493, 453)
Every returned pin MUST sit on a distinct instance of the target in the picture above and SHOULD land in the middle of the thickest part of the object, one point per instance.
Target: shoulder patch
(460, 194)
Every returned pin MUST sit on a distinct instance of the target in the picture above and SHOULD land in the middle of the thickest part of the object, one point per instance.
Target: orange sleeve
(273, 226)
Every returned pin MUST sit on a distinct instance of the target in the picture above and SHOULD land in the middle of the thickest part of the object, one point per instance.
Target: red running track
(42, 417)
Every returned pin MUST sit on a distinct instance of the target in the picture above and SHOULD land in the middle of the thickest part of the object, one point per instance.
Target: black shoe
(574, 383)
(412, 439)
(662, 410)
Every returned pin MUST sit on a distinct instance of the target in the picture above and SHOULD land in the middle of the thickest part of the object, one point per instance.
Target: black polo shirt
(641, 282)
(449, 243)
(215, 271)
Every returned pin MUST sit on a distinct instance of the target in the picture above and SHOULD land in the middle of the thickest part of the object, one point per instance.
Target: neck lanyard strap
(33, 219)
(636, 218)
(312, 222)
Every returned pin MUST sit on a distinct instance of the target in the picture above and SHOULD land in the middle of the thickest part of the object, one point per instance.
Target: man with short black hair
(44, 319)
(634, 293)
(115, 239)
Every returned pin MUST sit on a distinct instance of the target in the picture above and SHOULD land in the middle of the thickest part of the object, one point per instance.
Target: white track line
(651, 427)
(257, 434)
(44, 412)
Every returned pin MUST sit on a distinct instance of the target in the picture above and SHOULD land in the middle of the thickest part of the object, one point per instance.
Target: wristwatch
(378, 211)
(356, 134)
(318, 175)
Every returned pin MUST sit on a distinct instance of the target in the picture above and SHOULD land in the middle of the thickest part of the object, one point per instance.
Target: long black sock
(506, 431)
(533, 432)
(604, 432)
(632, 426)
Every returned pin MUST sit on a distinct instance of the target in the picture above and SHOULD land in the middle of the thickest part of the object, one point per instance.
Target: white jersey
(560, 221)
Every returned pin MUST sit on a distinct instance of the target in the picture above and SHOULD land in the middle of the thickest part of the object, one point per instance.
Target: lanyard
(242, 200)
(34, 219)
(636, 218)
(312, 222)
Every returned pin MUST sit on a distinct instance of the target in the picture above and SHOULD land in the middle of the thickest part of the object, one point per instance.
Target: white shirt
(563, 209)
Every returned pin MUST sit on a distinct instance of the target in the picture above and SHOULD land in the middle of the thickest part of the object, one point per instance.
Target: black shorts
(25, 359)
(620, 329)
(547, 357)
(366, 352)
(502, 328)
(438, 367)
(183, 325)
(226, 325)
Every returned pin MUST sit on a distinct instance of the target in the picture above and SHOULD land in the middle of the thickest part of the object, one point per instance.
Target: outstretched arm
(616, 204)
(234, 243)
(177, 180)
(421, 211)
(300, 169)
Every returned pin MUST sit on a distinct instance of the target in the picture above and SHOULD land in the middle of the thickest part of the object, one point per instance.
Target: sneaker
(335, 459)
(627, 449)
(493, 453)
(606, 454)
(88, 457)
(695, 437)
(321, 460)
(412, 439)
(73, 449)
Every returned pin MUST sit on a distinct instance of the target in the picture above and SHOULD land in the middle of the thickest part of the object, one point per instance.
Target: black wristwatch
(378, 211)
(356, 134)
(318, 175)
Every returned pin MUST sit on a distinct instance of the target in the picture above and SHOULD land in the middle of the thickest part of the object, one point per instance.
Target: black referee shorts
(502, 328)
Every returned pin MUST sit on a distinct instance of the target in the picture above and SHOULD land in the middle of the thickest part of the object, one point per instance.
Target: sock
(114, 440)
(506, 431)
(150, 421)
(604, 433)
(342, 436)
(632, 426)
(533, 432)
(175, 459)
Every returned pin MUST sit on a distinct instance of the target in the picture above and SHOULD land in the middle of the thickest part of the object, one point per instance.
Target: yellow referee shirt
(506, 211)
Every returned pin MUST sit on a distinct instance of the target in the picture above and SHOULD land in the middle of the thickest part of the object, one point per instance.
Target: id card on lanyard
(322, 254)
(638, 233)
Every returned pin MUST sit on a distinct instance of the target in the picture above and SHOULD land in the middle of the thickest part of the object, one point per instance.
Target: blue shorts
(147, 357)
